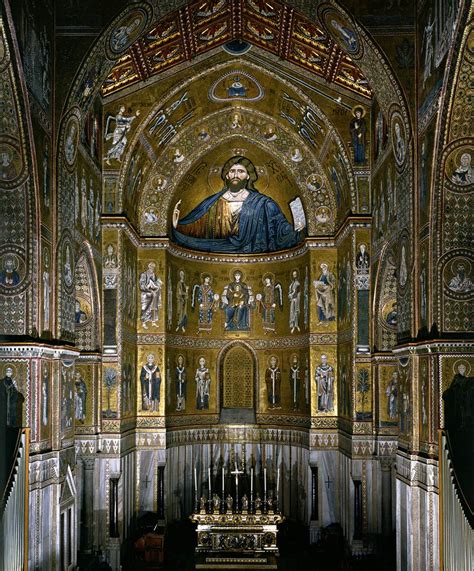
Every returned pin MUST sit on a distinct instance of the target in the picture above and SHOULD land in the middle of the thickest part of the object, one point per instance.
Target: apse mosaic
(239, 218)
(271, 174)
(152, 164)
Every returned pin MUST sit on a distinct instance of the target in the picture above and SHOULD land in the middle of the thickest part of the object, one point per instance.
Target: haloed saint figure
(236, 219)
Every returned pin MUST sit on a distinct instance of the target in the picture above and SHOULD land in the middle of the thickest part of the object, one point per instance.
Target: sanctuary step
(232, 561)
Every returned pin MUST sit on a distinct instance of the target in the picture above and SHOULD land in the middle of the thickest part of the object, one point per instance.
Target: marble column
(357, 509)
(386, 465)
(161, 492)
(314, 493)
(113, 508)
(88, 505)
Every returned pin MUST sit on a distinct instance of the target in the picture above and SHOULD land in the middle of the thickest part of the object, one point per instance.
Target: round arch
(238, 388)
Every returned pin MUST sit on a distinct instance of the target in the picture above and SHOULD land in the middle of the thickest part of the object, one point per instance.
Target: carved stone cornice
(8, 351)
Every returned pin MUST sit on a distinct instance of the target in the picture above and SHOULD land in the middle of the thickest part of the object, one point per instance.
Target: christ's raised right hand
(176, 214)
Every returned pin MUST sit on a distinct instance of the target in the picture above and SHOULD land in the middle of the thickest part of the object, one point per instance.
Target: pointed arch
(451, 209)
(86, 299)
(385, 302)
(19, 195)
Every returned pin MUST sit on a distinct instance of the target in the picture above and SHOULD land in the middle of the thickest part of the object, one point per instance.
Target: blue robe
(262, 228)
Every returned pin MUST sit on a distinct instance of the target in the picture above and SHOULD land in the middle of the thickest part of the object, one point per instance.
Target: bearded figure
(236, 219)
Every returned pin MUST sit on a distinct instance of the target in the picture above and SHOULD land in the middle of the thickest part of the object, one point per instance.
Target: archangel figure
(207, 301)
(123, 124)
(267, 301)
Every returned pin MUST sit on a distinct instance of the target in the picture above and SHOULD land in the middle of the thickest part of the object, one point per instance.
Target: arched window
(237, 385)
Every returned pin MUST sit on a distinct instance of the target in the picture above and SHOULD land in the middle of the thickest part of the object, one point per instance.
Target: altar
(237, 532)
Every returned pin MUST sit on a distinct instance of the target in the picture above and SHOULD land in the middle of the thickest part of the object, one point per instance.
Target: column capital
(88, 462)
(387, 463)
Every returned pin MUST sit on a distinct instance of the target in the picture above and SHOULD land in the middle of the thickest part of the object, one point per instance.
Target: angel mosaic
(346, 36)
(207, 302)
(267, 301)
(123, 124)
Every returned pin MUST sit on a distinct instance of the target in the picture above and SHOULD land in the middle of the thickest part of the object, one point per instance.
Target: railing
(14, 514)
(456, 533)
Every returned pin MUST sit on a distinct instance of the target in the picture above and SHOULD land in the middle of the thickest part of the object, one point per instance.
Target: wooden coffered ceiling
(203, 25)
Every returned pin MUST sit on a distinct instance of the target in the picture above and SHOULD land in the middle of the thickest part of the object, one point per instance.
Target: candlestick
(251, 484)
(278, 487)
(237, 494)
(195, 487)
(265, 481)
(209, 474)
(223, 489)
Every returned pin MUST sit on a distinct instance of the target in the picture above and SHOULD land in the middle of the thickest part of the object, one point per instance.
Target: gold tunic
(218, 222)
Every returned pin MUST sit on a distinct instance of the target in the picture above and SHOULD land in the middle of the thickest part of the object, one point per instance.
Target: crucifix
(146, 481)
(328, 482)
(237, 473)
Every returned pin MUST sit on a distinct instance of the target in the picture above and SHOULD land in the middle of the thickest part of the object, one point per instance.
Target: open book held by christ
(299, 218)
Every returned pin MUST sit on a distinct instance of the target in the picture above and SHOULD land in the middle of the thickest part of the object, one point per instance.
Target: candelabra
(244, 500)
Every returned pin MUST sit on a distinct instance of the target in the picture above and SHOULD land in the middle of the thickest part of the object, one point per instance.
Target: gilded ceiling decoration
(201, 26)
